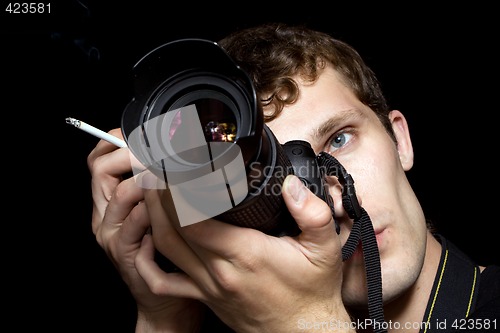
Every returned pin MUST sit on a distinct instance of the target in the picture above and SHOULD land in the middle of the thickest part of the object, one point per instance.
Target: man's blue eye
(339, 140)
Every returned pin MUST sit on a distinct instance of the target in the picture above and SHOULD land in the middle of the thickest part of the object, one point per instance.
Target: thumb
(311, 213)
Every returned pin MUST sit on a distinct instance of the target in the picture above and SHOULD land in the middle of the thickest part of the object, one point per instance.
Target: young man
(316, 89)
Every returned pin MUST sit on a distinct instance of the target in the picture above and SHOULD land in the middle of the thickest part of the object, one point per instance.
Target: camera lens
(196, 123)
(195, 103)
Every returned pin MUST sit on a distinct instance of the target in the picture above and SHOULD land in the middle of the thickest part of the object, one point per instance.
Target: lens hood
(176, 74)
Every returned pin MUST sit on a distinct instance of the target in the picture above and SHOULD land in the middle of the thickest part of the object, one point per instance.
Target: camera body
(196, 123)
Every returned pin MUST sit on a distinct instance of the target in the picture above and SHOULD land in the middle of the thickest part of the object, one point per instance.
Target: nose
(346, 202)
(335, 190)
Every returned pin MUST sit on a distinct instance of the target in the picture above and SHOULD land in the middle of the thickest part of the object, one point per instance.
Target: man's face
(332, 119)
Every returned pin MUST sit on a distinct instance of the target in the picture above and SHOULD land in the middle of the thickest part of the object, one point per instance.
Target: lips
(379, 236)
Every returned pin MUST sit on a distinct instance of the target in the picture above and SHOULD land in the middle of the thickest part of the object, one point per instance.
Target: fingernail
(296, 189)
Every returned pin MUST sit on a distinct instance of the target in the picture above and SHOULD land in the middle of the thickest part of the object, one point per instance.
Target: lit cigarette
(96, 132)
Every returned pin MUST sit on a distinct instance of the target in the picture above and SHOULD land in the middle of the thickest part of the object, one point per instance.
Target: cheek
(376, 175)
(375, 172)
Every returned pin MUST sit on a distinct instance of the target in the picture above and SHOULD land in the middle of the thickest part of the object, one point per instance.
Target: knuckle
(228, 281)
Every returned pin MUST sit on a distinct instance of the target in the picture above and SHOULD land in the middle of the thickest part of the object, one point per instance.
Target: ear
(402, 133)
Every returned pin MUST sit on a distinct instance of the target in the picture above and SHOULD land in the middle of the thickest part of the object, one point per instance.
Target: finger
(107, 159)
(122, 239)
(136, 225)
(104, 147)
(106, 171)
(312, 215)
(160, 282)
(170, 243)
(124, 198)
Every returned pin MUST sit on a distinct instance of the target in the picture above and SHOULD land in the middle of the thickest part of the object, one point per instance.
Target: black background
(438, 66)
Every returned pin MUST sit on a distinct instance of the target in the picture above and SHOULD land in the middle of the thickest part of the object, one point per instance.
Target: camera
(195, 122)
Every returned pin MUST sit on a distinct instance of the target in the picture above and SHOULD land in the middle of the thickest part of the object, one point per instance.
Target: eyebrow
(335, 121)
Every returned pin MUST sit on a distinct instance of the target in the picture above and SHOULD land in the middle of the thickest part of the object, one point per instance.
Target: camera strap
(362, 232)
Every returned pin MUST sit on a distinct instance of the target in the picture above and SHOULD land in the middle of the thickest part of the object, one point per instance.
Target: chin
(354, 288)
(399, 273)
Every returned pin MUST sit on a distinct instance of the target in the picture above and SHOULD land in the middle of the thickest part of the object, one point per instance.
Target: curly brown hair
(273, 54)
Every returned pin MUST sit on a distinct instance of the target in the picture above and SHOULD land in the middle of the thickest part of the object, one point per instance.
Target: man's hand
(254, 282)
(121, 223)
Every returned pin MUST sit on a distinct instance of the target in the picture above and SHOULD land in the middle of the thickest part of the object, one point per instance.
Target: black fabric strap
(373, 272)
(361, 232)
